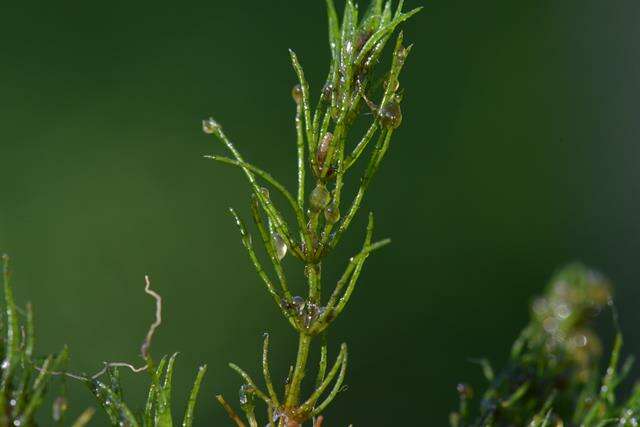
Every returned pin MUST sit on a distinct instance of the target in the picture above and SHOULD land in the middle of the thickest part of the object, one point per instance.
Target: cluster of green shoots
(326, 153)
(22, 387)
(552, 377)
(25, 379)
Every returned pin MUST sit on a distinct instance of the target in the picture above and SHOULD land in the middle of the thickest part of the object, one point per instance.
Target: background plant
(552, 376)
(325, 155)
(26, 379)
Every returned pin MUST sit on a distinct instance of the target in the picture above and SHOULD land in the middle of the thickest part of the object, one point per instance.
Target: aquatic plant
(552, 376)
(326, 153)
(25, 379)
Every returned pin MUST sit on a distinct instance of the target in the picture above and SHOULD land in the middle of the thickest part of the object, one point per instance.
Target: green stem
(293, 395)
(301, 166)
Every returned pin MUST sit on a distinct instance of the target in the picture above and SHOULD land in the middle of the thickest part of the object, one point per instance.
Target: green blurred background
(518, 153)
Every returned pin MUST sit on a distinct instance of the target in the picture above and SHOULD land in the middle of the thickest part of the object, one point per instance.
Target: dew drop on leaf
(279, 245)
(332, 213)
(319, 197)
(390, 115)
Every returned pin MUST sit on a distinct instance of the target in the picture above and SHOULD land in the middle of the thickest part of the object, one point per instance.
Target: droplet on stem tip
(210, 126)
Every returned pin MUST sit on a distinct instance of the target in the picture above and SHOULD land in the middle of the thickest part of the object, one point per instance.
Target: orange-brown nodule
(323, 147)
(296, 93)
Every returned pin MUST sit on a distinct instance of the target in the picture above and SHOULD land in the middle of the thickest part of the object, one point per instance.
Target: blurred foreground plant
(552, 377)
(325, 155)
(25, 379)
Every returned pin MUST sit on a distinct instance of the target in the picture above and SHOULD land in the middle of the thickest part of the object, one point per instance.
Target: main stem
(304, 343)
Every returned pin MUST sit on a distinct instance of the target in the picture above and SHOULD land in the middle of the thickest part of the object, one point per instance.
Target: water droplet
(579, 340)
(327, 90)
(402, 54)
(298, 304)
(540, 306)
(210, 126)
(465, 391)
(242, 394)
(265, 192)
(390, 115)
(5, 364)
(312, 313)
(349, 47)
(550, 325)
(562, 310)
(279, 245)
(319, 198)
(59, 407)
(296, 93)
(332, 213)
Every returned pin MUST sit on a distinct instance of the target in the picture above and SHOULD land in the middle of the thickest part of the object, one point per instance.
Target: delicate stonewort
(296, 93)
(319, 198)
(323, 142)
(390, 115)
(332, 213)
(210, 126)
(323, 147)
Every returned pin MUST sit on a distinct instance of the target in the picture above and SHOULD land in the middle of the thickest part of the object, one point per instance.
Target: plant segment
(552, 377)
(326, 152)
(25, 378)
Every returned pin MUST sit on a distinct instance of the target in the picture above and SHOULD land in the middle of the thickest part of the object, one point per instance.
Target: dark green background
(518, 153)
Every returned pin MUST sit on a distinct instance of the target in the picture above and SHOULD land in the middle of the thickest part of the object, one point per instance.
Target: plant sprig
(324, 156)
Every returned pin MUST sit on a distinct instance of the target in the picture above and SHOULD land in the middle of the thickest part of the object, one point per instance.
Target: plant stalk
(293, 396)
